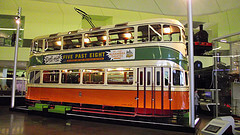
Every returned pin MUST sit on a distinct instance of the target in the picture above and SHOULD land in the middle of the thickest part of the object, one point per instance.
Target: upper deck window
(53, 44)
(37, 46)
(70, 42)
(95, 39)
(171, 33)
(149, 33)
(121, 36)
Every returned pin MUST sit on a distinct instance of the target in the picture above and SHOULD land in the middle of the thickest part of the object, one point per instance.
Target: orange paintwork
(124, 98)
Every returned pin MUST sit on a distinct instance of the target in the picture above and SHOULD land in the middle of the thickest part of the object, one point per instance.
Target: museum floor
(22, 123)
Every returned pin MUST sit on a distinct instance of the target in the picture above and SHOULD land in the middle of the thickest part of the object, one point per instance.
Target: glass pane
(148, 78)
(186, 78)
(141, 78)
(70, 42)
(158, 77)
(93, 76)
(95, 39)
(51, 76)
(178, 78)
(71, 76)
(53, 44)
(166, 77)
(121, 36)
(143, 33)
(171, 33)
(120, 76)
(155, 32)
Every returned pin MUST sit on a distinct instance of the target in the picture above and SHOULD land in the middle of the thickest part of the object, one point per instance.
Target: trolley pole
(191, 67)
(18, 19)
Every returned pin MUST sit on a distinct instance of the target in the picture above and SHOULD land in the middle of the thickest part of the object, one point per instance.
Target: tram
(129, 69)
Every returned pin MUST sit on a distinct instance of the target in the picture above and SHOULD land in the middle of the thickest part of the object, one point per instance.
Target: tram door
(153, 90)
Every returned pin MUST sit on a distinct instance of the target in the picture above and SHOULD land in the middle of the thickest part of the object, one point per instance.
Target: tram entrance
(154, 91)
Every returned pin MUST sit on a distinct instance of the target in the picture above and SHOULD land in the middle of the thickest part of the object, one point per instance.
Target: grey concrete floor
(20, 123)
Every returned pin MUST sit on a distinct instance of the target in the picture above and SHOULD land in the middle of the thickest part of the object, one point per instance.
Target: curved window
(171, 33)
(120, 76)
(71, 76)
(178, 78)
(37, 46)
(34, 77)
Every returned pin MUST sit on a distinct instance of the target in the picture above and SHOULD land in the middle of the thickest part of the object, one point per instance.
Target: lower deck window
(50, 76)
(34, 77)
(120, 76)
(71, 76)
(93, 76)
(178, 78)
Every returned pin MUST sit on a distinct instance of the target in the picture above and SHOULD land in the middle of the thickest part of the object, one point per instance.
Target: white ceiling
(164, 7)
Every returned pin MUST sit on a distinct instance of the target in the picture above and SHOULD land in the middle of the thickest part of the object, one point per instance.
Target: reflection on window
(70, 42)
(166, 77)
(34, 77)
(37, 46)
(50, 76)
(95, 39)
(71, 76)
(121, 36)
(93, 76)
(171, 33)
(178, 78)
(149, 33)
(120, 76)
(186, 78)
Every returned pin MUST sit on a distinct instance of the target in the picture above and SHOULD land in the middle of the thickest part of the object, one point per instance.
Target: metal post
(15, 58)
(191, 67)
(216, 81)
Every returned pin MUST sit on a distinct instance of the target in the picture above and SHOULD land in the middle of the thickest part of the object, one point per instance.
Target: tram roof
(148, 21)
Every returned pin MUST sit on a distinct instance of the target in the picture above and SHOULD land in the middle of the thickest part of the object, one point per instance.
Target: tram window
(95, 39)
(158, 77)
(121, 36)
(71, 76)
(155, 32)
(50, 76)
(34, 77)
(186, 78)
(120, 76)
(142, 33)
(37, 46)
(183, 35)
(141, 78)
(171, 33)
(178, 78)
(53, 44)
(148, 78)
(93, 76)
(166, 77)
(70, 42)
